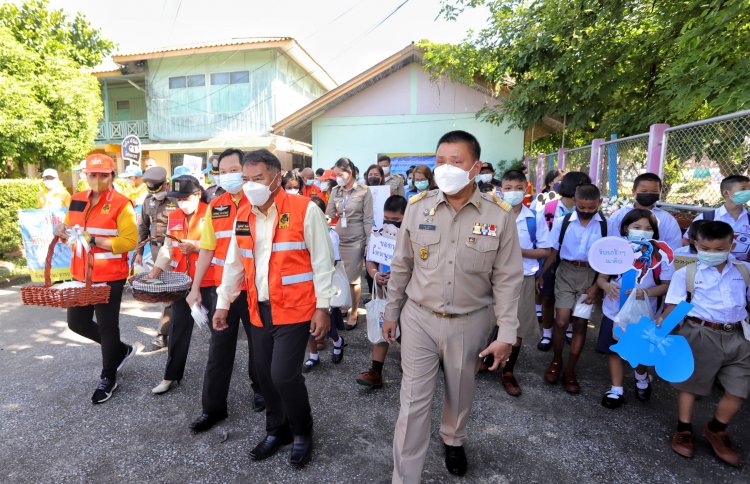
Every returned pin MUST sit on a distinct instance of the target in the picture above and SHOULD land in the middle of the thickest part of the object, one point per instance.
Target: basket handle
(137, 248)
(48, 261)
(187, 259)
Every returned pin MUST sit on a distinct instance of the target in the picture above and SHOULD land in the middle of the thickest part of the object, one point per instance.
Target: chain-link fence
(578, 159)
(629, 155)
(697, 156)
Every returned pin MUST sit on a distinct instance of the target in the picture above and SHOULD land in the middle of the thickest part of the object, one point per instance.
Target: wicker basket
(46, 295)
(176, 284)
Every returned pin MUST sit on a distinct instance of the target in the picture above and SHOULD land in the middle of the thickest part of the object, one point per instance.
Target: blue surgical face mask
(513, 198)
(741, 197)
(421, 185)
(712, 258)
(636, 235)
(231, 182)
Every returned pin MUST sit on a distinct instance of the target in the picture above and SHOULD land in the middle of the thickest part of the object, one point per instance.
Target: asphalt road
(50, 431)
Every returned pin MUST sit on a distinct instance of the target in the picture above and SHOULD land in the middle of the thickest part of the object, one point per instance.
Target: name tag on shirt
(77, 206)
(427, 227)
(176, 224)
(220, 211)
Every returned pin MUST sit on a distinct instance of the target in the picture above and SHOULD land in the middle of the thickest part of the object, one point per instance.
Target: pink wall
(393, 96)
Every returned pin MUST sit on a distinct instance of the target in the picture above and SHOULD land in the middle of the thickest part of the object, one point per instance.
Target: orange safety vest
(99, 221)
(223, 213)
(290, 274)
(179, 226)
(529, 197)
(311, 191)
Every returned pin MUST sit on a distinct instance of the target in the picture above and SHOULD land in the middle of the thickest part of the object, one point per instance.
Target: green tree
(49, 107)
(607, 66)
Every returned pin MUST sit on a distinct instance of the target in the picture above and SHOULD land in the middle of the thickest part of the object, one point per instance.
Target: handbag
(631, 312)
(375, 313)
(342, 297)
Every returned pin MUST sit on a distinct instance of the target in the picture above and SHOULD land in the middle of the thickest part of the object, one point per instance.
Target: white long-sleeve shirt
(318, 245)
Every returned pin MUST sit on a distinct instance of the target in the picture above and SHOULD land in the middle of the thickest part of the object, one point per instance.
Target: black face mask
(392, 222)
(647, 199)
(373, 181)
(585, 215)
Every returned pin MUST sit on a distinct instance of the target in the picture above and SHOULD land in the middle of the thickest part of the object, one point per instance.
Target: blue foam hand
(645, 344)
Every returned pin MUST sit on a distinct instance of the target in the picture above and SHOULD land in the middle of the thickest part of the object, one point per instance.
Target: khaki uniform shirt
(396, 184)
(359, 217)
(458, 263)
(154, 216)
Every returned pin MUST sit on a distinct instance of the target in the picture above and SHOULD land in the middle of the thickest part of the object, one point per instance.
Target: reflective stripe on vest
(107, 255)
(297, 278)
(246, 253)
(218, 262)
(281, 246)
(96, 231)
(224, 234)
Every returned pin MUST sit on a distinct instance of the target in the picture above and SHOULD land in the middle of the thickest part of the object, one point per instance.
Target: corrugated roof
(201, 45)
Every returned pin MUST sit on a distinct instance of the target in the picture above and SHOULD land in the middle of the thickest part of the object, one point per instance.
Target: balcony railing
(118, 130)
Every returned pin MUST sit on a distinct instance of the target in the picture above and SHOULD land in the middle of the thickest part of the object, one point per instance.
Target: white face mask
(293, 191)
(309, 182)
(188, 205)
(342, 180)
(257, 193)
(485, 178)
(231, 182)
(386, 170)
(635, 234)
(513, 198)
(51, 184)
(324, 186)
(451, 179)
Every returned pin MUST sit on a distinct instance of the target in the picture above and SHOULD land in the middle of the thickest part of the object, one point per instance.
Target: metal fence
(692, 159)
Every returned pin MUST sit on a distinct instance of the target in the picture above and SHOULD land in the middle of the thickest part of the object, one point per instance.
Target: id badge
(343, 222)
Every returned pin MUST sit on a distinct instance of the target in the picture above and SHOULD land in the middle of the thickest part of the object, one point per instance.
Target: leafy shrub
(15, 195)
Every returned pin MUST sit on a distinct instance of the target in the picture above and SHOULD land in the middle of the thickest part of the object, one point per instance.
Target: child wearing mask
(393, 214)
(572, 237)
(639, 224)
(718, 288)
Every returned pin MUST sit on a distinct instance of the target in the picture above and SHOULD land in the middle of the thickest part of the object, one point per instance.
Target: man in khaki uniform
(457, 253)
(395, 182)
(153, 223)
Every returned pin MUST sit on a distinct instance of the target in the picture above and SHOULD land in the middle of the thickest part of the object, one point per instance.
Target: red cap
(327, 175)
(98, 163)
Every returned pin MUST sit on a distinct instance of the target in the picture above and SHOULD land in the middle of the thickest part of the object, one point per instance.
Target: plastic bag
(342, 297)
(631, 312)
(583, 310)
(375, 313)
(200, 315)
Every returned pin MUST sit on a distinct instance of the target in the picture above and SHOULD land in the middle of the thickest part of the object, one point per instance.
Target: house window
(123, 105)
(175, 159)
(188, 94)
(230, 91)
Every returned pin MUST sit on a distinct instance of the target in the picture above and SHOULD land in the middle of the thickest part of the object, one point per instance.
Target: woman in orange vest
(184, 224)
(102, 221)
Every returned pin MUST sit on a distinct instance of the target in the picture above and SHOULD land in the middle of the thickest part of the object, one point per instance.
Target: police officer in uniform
(456, 255)
(155, 212)
(214, 190)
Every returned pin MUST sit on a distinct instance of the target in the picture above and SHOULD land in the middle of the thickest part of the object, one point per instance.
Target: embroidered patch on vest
(242, 228)
(284, 221)
(77, 206)
(220, 211)
(176, 224)
(105, 209)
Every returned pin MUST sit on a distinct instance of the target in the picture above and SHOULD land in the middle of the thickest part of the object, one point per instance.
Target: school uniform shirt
(669, 229)
(531, 266)
(610, 306)
(719, 297)
(318, 244)
(741, 228)
(578, 239)
(684, 250)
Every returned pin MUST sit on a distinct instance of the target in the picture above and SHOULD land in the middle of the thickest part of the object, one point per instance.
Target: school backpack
(692, 269)
(566, 222)
(531, 226)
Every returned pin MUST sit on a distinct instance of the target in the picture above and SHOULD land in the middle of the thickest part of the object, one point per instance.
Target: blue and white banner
(37, 232)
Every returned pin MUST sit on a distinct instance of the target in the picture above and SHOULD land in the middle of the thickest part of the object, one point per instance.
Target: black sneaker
(544, 344)
(612, 400)
(129, 353)
(568, 337)
(104, 391)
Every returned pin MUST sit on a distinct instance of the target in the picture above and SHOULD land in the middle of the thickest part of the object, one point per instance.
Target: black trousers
(221, 353)
(181, 330)
(279, 352)
(106, 329)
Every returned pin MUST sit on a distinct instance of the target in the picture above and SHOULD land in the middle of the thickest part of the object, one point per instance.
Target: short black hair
(319, 172)
(692, 232)
(514, 175)
(550, 177)
(714, 230)
(345, 164)
(571, 180)
(727, 182)
(395, 203)
(588, 191)
(637, 214)
(459, 136)
(319, 202)
(384, 158)
(262, 156)
(652, 177)
(230, 152)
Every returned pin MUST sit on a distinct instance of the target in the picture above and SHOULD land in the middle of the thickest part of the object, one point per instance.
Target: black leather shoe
(206, 421)
(301, 451)
(270, 445)
(259, 403)
(455, 460)
(643, 394)
(336, 359)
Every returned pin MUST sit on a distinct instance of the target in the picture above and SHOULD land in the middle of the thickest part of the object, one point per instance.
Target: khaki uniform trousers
(427, 340)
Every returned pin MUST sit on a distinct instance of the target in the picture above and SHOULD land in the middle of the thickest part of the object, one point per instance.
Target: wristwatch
(92, 241)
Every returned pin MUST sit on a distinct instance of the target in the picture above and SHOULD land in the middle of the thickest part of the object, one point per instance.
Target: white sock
(641, 380)
(570, 328)
(337, 346)
(313, 356)
(538, 309)
(617, 390)
(547, 333)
